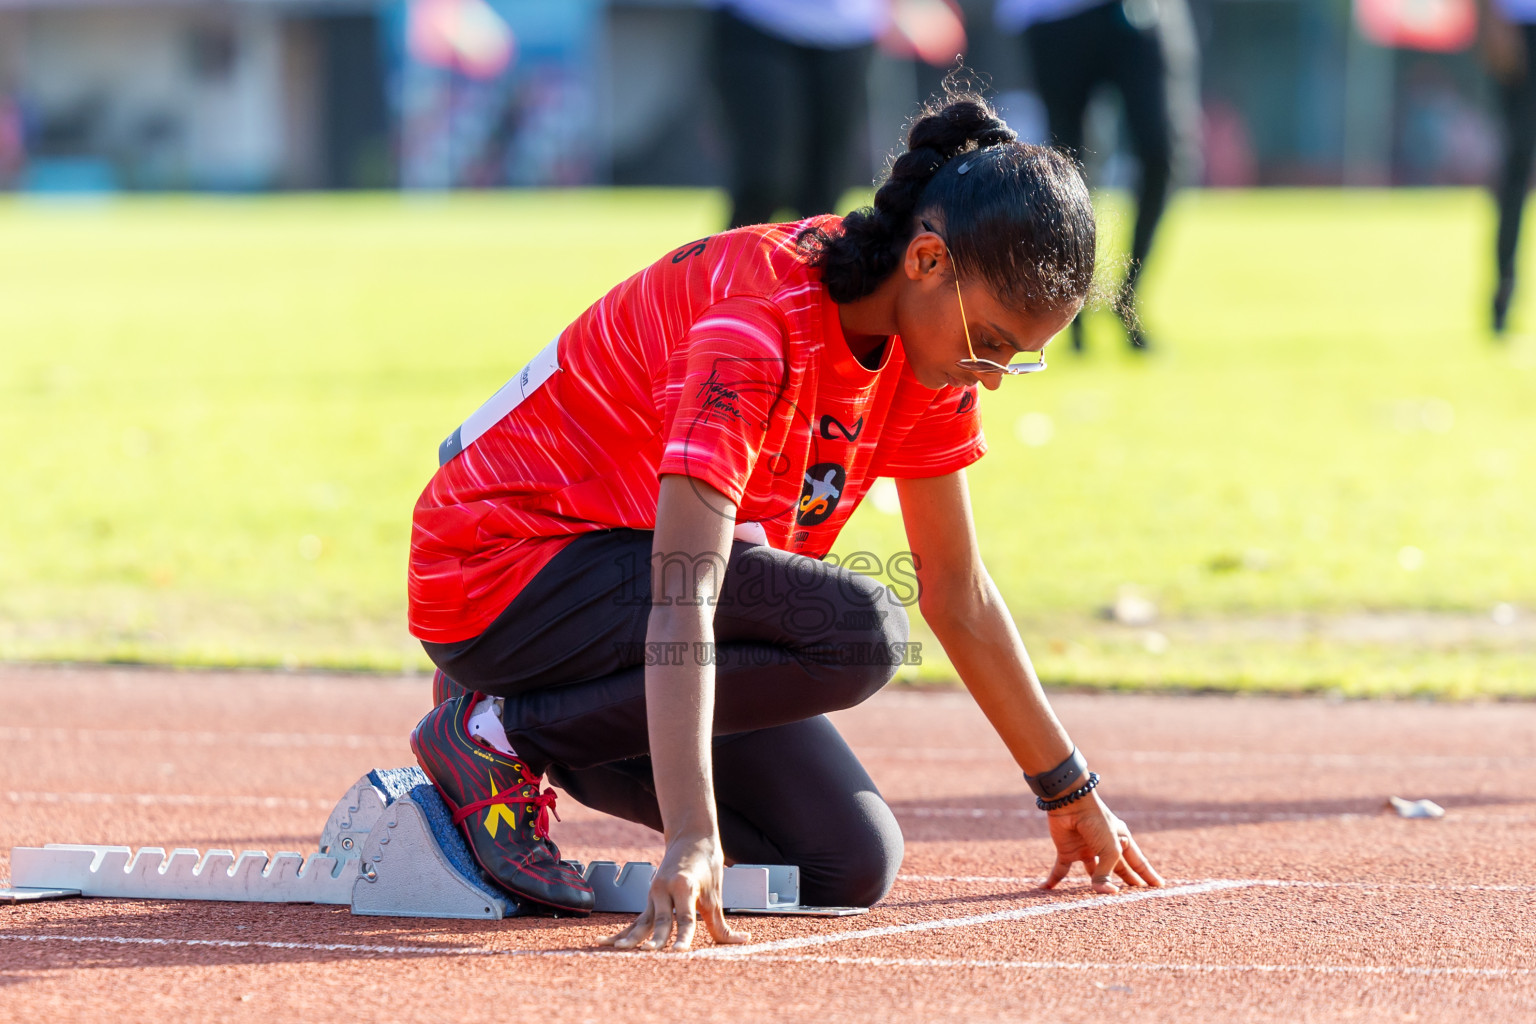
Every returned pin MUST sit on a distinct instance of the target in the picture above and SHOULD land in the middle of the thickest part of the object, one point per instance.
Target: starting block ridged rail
(149, 873)
(389, 848)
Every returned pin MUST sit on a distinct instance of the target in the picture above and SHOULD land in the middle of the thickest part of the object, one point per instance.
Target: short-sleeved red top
(723, 361)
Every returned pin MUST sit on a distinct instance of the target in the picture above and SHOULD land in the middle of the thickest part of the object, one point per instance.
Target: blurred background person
(1144, 50)
(791, 75)
(13, 146)
(1509, 33)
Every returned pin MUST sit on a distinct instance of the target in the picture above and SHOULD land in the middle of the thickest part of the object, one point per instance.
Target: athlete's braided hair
(1015, 214)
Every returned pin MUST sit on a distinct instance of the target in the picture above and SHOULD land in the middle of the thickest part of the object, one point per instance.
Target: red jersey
(723, 361)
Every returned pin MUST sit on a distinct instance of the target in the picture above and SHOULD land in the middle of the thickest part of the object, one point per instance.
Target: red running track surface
(1295, 896)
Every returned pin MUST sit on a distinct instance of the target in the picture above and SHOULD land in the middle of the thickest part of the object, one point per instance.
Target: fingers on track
(1059, 870)
(1143, 867)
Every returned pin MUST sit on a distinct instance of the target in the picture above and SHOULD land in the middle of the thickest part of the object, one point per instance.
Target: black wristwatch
(1049, 785)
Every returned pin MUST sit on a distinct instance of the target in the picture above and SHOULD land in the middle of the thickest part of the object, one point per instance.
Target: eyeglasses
(973, 364)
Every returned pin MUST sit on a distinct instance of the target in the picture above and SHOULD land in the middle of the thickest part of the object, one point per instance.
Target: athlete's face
(933, 327)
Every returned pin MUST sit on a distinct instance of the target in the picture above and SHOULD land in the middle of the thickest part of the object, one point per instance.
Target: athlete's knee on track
(868, 855)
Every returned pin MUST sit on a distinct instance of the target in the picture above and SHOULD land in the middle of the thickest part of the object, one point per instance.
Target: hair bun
(1025, 222)
(961, 124)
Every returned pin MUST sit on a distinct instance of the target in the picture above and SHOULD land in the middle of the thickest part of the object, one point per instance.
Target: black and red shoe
(496, 802)
(444, 688)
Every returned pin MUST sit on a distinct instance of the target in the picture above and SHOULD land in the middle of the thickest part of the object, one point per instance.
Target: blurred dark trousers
(1075, 55)
(795, 638)
(792, 120)
(1517, 106)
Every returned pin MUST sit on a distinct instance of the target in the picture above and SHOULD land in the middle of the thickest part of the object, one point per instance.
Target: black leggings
(792, 118)
(1072, 57)
(1517, 107)
(795, 638)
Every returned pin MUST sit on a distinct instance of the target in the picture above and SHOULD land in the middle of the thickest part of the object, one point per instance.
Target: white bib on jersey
(527, 380)
(511, 394)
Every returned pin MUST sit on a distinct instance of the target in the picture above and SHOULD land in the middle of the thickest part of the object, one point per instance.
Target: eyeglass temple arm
(966, 326)
(964, 323)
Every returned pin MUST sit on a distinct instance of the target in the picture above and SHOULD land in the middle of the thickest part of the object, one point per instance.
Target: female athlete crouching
(619, 561)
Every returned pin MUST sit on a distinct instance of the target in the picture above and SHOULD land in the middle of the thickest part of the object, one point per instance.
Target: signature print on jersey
(823, 489)
(718, 398)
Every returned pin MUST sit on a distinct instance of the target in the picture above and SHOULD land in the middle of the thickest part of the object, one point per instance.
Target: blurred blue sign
(487, 93)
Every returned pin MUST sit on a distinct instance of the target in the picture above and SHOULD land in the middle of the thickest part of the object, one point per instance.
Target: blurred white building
(262, 94)
(234, 95)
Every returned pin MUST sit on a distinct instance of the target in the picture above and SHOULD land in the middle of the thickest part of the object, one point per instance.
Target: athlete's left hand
(687, 889)
(1089, 831)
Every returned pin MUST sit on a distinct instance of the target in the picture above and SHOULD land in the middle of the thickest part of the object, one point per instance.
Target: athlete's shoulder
(759, 259)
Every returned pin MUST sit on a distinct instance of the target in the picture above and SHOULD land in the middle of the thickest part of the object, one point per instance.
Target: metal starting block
(389, 848)
(184, 875)
(749, 888)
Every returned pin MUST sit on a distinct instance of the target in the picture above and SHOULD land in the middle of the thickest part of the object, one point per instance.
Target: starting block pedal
(353, 816)
(389, 848)
(413, 862)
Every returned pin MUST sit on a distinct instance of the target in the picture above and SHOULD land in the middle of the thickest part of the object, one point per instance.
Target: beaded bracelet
(1072, 797)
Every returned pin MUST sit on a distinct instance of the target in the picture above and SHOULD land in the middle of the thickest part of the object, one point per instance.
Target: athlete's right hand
(1089, 831)
(688, 884)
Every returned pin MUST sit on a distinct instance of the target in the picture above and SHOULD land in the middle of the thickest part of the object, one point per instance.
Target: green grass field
(216, 415)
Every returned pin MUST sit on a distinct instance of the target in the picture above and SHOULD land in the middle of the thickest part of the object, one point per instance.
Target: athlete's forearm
(680, 711)
(978, 634)
(689, 555)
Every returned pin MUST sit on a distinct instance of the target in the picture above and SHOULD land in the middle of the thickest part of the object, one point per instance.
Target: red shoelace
(544, 801)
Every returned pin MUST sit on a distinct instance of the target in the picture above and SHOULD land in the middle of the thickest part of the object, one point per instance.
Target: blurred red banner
(1439, 26)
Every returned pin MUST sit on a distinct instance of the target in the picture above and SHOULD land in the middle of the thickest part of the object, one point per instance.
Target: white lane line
(198, 738)
(1272, 883)
(1111, 967)
(945, 923)
(729, 956)
(755, 953)
(166, 800)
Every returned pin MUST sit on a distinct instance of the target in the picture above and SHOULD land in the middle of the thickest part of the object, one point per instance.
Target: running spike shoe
(444, 688)
(496, 802)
